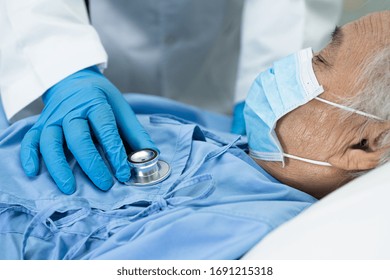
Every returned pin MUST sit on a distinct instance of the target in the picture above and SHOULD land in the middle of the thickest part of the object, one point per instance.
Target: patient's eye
(320, 59)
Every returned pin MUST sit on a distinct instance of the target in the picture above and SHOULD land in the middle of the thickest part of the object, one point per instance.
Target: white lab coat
(202, 52)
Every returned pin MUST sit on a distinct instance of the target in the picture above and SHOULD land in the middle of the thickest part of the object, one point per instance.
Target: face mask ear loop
(349, 109)
(316, 162)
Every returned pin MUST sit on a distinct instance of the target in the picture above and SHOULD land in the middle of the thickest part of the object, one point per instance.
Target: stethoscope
(146, 168)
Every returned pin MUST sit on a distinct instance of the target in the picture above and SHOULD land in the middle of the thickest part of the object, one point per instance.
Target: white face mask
(290, 83)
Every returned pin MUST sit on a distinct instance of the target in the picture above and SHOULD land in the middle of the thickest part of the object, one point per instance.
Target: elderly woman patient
(339, 141)
(313, 121)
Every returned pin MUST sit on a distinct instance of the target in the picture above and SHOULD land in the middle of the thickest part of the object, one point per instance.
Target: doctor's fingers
(130, 128)
(78, 137)
(102, 121)
(29, 152)
(51, 143)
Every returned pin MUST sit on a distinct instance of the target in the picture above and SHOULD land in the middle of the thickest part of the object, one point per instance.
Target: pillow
(353, 222)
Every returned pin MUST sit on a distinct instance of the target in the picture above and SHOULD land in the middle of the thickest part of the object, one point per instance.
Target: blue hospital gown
(216, 204)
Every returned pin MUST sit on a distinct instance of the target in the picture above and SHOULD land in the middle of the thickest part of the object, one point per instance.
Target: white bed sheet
(350, 223)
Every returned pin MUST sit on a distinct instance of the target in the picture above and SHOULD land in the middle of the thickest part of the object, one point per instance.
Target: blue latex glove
(83, 102)
(238, 124)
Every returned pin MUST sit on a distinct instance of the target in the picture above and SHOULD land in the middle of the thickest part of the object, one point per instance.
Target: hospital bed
(350, 223)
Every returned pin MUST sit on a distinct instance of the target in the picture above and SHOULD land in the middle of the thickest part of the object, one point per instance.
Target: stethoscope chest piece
(146, 168)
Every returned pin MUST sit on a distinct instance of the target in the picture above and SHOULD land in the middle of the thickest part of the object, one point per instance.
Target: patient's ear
(356, 159)
(365, 154)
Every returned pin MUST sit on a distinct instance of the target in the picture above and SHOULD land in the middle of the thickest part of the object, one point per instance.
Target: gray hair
(374, 97)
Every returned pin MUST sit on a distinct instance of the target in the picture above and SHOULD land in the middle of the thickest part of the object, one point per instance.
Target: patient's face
(317, 131)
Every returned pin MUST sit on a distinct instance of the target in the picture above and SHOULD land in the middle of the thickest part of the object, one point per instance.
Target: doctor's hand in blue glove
(238, 123)
(83, 104)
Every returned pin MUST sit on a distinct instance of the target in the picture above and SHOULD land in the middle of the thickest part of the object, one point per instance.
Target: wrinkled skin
(317, 131)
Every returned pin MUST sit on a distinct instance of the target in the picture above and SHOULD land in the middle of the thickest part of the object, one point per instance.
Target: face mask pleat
(289, 84)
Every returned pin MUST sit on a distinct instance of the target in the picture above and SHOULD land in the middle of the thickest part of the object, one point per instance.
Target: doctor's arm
(274, 29)
(49, 49)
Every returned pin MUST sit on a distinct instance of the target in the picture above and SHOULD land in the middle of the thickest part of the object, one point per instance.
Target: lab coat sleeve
(273, 29)
(42, 42)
